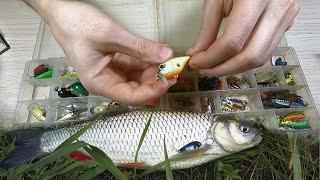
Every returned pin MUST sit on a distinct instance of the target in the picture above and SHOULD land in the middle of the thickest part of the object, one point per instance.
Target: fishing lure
(46, 75)
(41, 69)
(279, 62)
(64, 92)
(293, 117)
(76, 106)
(208, 84)
(37, 111)
(190, 146)
(237, 82)
(266, 78)
(172, 68)
(70, 73)
(78, 89)
(289, 79)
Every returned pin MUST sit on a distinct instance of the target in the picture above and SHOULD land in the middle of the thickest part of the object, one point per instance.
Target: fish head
(235, 136)
(173, 67)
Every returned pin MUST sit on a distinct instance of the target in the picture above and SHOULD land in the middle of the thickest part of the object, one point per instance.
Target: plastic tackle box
(177, 23)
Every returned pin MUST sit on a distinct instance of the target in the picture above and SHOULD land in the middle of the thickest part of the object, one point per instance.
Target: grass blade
(64, 151)
(169, 173)
(105, 162)
(145, 130)
(76, 135)
(161, 164)
(92, 173)
(295, 162)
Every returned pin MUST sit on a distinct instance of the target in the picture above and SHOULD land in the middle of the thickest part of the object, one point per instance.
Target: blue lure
(190, 146)
(280, 62)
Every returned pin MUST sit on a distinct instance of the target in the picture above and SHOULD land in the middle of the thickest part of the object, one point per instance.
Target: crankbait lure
(172, 68)
(266, 78)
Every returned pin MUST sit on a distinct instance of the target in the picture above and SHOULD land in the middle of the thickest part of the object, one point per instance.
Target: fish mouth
(257, 139)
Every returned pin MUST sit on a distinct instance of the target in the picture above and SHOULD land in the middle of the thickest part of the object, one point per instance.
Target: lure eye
(178, 65)
(162, 66)
(244, 129)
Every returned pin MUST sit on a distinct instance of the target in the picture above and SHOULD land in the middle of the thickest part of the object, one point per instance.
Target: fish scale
(118, 136)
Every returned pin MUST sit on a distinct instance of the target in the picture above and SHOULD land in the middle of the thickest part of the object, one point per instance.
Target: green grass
(276, 157)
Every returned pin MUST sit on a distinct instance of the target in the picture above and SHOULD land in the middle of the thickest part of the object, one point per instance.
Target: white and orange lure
(172, 68)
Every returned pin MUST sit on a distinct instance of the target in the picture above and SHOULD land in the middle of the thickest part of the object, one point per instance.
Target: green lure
(78, 89)
(45, 75)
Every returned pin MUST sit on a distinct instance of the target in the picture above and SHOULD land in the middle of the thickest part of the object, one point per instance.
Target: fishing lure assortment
(69, 72)
(207, 104)
(295, 120)
(245, 93)
(181, 103)
(237, 82)
(209, 84)
(267, 79)
(282, 99)
(43, 72)
(229, 104)
(74, 90)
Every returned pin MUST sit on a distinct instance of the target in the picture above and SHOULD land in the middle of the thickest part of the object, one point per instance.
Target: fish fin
(27, 148)
(134, 165)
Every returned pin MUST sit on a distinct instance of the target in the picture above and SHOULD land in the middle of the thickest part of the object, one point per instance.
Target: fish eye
(162, 66)
(178, 65)
(244, 129)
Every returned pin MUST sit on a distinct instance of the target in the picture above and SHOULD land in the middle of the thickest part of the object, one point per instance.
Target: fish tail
(27, 148)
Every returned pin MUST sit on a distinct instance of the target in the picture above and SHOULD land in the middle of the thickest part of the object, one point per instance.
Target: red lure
(80, 156)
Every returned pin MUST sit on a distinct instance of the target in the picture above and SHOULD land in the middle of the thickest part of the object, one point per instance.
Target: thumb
(142, 49)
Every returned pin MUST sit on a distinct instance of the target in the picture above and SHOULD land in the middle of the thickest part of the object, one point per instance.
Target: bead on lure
(190, 146)
(172, 68)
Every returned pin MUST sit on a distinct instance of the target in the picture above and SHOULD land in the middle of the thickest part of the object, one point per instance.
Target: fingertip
(165, 53)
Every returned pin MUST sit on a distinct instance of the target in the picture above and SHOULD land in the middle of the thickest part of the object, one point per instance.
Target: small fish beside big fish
(203, 137)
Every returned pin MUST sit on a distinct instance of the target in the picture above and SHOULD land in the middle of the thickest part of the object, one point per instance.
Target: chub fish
(118, 136)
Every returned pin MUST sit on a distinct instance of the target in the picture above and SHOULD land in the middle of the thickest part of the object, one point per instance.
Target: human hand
(111, 61)
(255, 28)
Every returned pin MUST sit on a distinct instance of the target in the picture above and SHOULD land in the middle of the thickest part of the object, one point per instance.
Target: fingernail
(165, 53)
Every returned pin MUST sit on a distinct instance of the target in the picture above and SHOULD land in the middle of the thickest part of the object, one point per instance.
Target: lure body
(39, 113)
(189, 147)
(172, 68)
(45, 75)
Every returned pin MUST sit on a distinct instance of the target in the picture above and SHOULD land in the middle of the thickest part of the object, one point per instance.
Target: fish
(172, 68)
(118, 136)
